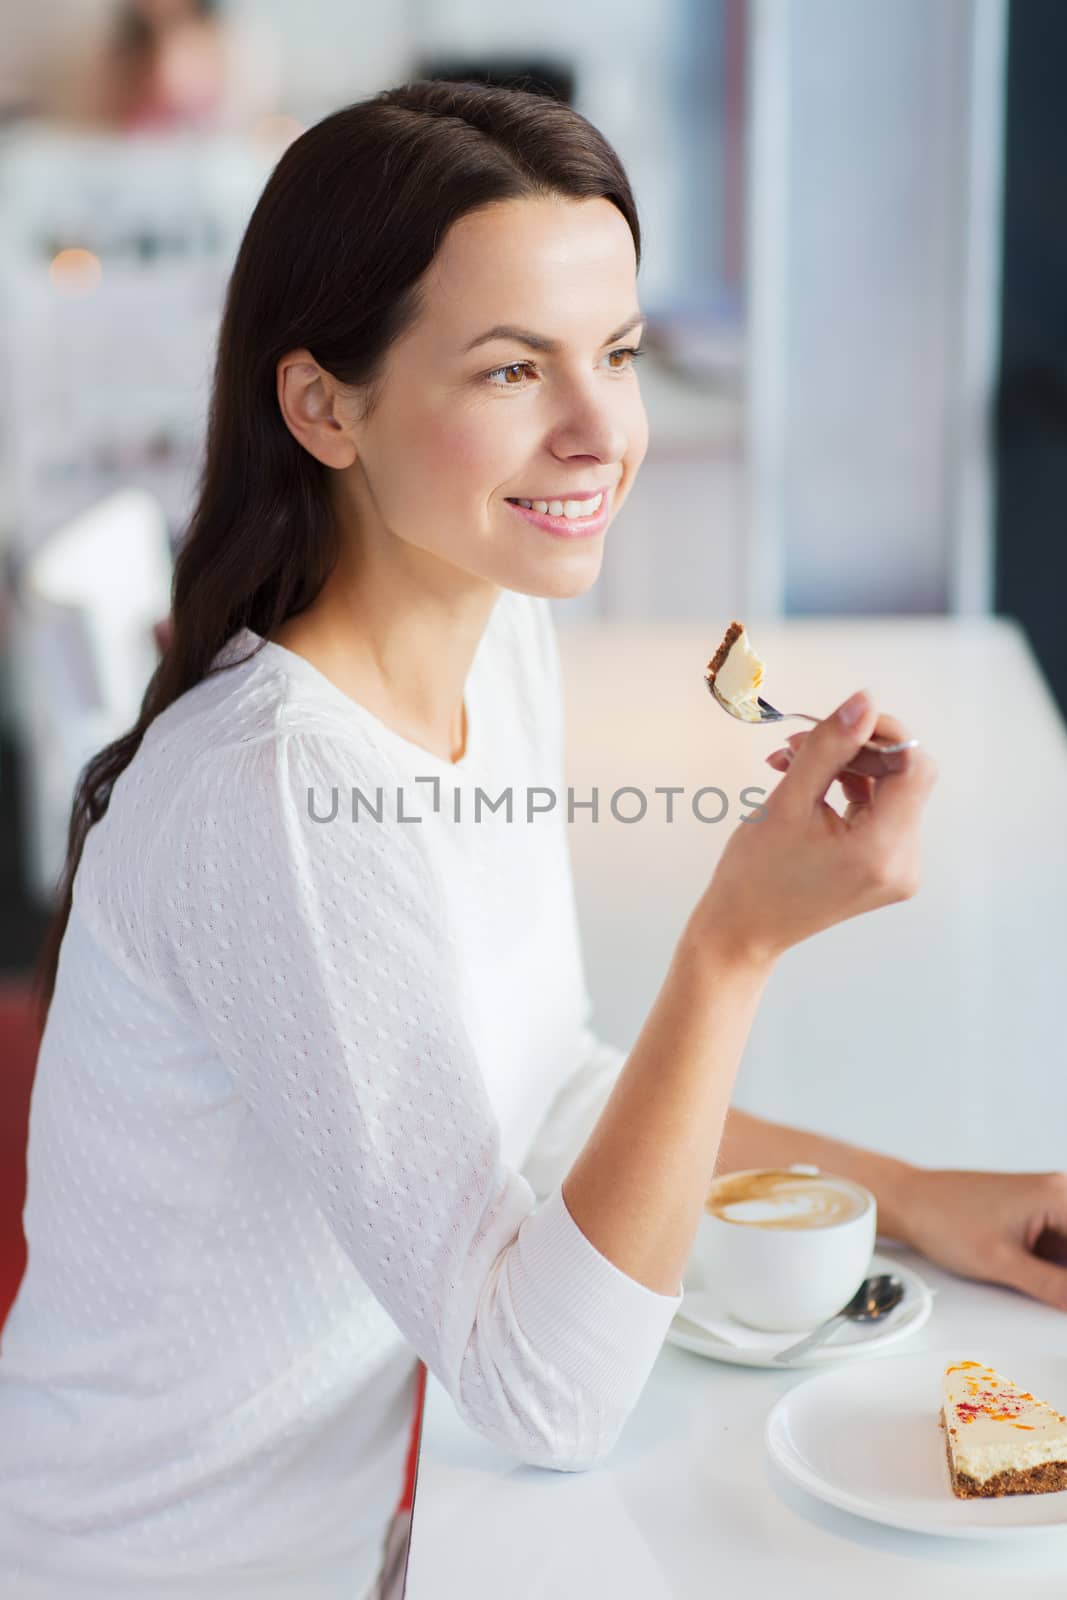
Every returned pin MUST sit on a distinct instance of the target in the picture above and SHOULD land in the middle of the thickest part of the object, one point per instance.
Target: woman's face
(462, 428)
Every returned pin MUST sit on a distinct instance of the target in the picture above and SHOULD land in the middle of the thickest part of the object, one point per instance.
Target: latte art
(786, 1247)
(784, 1200)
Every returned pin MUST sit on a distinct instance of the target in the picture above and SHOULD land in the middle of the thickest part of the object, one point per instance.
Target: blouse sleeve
(313, 956)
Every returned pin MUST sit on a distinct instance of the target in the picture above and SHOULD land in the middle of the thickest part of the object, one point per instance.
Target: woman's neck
(410, 671)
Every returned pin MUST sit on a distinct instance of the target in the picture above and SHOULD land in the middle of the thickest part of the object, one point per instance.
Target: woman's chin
(561, 580)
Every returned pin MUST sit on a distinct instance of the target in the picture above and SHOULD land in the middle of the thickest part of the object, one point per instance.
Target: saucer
(753, 1347)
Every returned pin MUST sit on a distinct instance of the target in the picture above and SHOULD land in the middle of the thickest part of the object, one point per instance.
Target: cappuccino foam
(783, 1200)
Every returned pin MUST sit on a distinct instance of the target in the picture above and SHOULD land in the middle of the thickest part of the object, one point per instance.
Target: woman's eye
(633, 351)
(516, 366)
(521, 367)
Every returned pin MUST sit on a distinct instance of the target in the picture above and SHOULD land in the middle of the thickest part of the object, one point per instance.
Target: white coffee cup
(786, 1247)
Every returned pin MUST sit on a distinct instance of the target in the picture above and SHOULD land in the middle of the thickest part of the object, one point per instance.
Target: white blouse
(319, 1046)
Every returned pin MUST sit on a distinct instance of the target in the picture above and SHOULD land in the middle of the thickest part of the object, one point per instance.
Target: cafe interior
(855, 379)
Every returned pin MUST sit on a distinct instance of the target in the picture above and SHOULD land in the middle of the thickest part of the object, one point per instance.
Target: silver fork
(767, 713)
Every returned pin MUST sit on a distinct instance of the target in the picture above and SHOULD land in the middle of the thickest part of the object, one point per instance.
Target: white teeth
(565, 508)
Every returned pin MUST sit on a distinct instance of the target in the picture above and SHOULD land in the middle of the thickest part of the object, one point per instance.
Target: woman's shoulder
(217, 792)
(228, 757)
(264, 715)
(276, 800)
(249, 697)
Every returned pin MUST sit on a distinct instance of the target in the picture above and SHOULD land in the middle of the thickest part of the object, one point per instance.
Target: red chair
(19, 1042)
(407, 1499)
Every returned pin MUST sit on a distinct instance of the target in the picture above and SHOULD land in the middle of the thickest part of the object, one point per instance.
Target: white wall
(863, 252)
(630, 59)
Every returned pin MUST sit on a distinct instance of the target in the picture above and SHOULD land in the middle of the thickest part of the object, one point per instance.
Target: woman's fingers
(814, 865)
(886, 727)
(820, 758)
(900, 798)
(858, 789)
(869, 763)
(864, 776)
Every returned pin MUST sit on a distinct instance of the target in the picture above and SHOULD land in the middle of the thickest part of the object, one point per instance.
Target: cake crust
(730, 638)
(1046, 1478)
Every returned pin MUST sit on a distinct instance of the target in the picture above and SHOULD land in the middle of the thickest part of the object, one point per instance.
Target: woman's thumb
(829, 746)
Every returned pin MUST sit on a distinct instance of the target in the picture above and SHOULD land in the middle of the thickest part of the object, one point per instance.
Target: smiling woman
(356, 449)
(428, 472)
(302, 1084)
(282, 1106)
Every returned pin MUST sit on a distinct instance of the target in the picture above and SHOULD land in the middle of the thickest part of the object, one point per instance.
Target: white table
(870, 1032)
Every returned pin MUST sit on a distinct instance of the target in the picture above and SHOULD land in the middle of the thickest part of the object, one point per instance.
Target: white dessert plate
(869, 1443)
(749, 1347)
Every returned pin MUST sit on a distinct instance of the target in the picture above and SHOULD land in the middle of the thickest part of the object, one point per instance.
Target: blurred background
(857, 369)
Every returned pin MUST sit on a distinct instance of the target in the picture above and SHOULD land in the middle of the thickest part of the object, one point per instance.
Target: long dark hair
(330, 262)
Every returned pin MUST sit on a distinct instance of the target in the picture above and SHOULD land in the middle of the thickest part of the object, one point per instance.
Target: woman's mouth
(569, 519)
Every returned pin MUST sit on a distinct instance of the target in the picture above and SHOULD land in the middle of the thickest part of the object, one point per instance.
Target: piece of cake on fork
(999, 1439)
(735, 672)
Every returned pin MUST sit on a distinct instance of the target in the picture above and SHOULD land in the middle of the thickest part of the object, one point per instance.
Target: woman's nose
(594, 426)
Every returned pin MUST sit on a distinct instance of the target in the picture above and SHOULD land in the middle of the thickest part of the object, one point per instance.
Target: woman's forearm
(637, 1187)
(749, 1141)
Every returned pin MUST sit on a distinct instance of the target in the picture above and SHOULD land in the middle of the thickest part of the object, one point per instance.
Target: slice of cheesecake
(736, 672)
(999, 1439)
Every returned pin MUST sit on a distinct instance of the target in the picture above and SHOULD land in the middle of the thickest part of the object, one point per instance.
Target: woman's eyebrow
(537, 341)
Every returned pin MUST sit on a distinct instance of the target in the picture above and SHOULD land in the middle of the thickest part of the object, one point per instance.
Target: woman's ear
(311, 404)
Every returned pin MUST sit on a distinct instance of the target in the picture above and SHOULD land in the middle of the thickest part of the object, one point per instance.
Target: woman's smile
(564, 518)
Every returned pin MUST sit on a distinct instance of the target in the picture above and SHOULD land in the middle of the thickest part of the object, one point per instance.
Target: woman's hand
(803, 866)
(998, 1227)
(858, 778)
